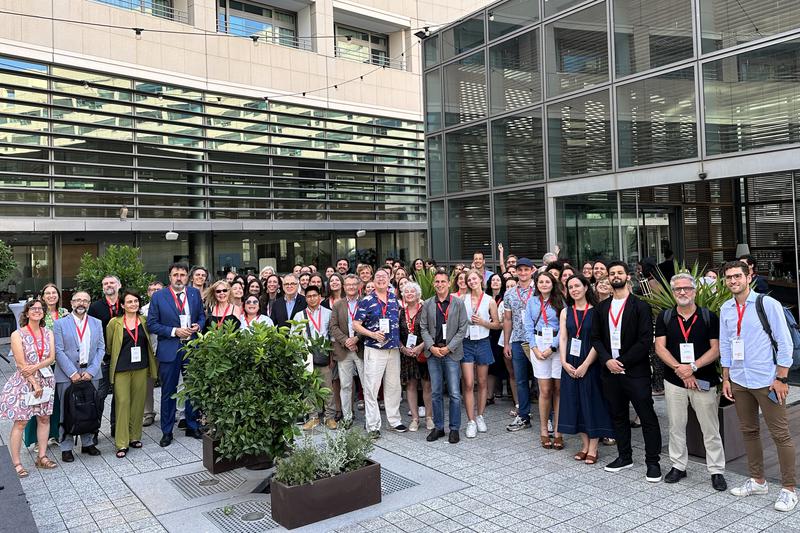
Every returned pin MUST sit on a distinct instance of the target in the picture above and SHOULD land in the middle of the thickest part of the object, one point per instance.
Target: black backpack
(81, 408)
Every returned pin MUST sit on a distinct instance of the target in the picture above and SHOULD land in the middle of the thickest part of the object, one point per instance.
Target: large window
(657, 121)
(579, 135)
(435, 166)
(522, 230)
(467, 159)
(472, 231)
(726, 23)
(577, 51)
(514, 72)
(438, 232)
(753, 99)
(157, 8)
(517, 149)
(433, 100)
(363, 46)
(465, 89)
(463, 37)
(272, 25)
(511, 16)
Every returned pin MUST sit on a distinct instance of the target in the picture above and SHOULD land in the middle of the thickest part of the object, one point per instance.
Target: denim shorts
(478, 352)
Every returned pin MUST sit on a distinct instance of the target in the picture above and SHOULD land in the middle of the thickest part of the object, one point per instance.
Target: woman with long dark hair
(272, 291)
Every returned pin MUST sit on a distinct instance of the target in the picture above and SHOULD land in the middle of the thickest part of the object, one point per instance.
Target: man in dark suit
(286, 306)
(622, 334)
(175, 315)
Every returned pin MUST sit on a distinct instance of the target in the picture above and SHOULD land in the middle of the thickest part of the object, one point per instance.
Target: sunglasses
(220, 291)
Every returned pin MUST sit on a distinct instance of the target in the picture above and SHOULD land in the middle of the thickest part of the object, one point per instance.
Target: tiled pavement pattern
(514, 486)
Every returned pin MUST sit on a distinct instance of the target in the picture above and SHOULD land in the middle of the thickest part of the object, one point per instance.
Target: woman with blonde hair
(219, 306)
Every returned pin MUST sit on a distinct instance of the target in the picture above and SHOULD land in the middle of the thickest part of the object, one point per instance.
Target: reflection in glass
(514, 72)
(657, 120)
(433, 100)
(651, 34)
(511, 16)
(579, 135)
(465, 90)
(551, 7)
(521, 230)
(435, 166)
(577, 51)
(588, 226)
(726, 23)
(467, 159)
(471, 230)
(431, 51)
(517, 149)
(462, 37)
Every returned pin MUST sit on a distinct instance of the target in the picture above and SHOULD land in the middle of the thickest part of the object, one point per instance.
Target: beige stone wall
(227, 63)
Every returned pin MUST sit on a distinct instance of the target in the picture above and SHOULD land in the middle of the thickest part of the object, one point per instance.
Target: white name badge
(444, 332)
(83, 358)
(616, 340)
(383, 325)
(687, 352)
(575, 347)
(474, 332)
(350, 332)
(136, 354)
(547, 336)
(412, 341)
(31, 399)
(737, 349)
(46, 372)
(186, 321)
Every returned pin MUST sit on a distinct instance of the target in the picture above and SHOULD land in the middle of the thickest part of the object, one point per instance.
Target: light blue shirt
(290, 305)
(534, 321)
(757, 370)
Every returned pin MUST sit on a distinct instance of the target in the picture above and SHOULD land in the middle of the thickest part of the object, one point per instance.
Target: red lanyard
(543, 310)
(477, 307)
(247, 320)
(528, 291)
(113, 309)
(219, 321)
(575, 316)
(352, 310)
(82, 332)
(740, 312)
(384, 306)
(446, 311)
(318, 323)
(685, 331)
(39, 351)
(54, 314)
(411, 321)
(181, 305)
(134, 333)
(615, 320)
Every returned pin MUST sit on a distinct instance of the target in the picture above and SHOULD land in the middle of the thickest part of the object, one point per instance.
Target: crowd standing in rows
(590, 343)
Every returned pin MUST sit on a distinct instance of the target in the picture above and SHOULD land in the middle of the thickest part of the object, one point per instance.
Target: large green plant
(122, 261)
(424, 278)
(251, 386)
(344, 452)
(710, 295)
(7, 263)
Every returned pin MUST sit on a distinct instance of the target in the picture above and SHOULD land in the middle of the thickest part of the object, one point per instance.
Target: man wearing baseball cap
(515, 302)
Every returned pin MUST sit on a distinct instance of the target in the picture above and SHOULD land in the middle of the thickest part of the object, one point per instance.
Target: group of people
(582, 334)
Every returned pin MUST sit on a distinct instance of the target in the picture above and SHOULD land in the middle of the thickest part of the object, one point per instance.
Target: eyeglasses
(289, 284)
(36, 310)
(220, 291)
(252, 302)
(84, 300)
(677, 290)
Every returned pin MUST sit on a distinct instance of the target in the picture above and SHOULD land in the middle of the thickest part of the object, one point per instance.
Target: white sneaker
(472, 430)
(750, 487)
(421, 410)
(414, 425)
(429, 425)
(787, 500)
(481, 424)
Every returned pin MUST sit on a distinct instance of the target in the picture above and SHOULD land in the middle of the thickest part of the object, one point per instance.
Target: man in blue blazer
(175, 315)
(80, 349)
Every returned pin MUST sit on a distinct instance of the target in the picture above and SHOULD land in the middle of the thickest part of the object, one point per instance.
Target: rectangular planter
(729, 430)
(210, 457)
(325, 498)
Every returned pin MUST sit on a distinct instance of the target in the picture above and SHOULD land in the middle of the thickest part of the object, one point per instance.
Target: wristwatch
(782, 380)
(694, 367)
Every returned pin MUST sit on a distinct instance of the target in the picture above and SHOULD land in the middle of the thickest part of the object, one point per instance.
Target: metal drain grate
(202, 483)
(252, 516)
(391, 482)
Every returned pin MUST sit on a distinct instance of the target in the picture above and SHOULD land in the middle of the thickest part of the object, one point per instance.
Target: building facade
(617, 128)
(262, 132)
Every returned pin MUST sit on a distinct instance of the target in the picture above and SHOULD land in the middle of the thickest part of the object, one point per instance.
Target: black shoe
(399, 428)
(67, 457)
(718, 482)
(194, 433)
(618, 464)
(675, 475)
(166, 440)
(654, 473)
(435, 434)
(182, 424)
(453, 438)
(91, 450)
(375, 434)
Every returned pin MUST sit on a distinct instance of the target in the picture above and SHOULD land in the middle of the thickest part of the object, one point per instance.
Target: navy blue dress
(583, 408)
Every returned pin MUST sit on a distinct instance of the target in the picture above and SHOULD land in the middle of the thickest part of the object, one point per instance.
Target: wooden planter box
(729, 430)
(305, 504)
(210, 457)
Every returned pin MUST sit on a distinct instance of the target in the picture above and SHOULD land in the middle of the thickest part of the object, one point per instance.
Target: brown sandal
(44, 463)
(558, 443)
(546, 443)
(590, 459)
(580, 456)
(21, 472)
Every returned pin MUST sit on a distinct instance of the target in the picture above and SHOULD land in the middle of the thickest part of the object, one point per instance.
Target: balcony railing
(270, 36)
(157, 8)
(367, 57)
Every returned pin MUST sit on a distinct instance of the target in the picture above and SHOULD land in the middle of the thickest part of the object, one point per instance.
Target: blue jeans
(521, 364)
(438, 367)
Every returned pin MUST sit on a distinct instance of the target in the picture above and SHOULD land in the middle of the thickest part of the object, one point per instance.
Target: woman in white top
(252, 313)
(482, 311)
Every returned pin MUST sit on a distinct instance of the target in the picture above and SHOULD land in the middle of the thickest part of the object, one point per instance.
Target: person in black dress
(219, 308)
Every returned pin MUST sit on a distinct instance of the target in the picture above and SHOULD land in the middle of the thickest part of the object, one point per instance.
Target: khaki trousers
(705, 405)
(329, 403)
(747, 404)
(381, 366)
(130, 389)
(347, 370)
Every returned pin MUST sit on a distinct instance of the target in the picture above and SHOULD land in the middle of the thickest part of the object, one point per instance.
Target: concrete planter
(297, 506)
(729, 430)
(210, 457)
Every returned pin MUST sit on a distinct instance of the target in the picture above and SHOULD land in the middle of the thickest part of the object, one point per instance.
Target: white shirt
(86, 342)
(616, 305)
(321, 316)
(482, 312)
(260, 319)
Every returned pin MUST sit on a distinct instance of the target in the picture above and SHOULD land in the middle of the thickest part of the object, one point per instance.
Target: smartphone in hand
(703, 385)
(773, 396)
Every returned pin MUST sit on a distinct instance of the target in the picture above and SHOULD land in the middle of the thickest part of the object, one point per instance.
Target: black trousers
(106, 389)
(620, 390)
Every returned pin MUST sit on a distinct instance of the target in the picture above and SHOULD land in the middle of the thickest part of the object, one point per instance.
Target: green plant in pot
(251, 386)
(708, 294)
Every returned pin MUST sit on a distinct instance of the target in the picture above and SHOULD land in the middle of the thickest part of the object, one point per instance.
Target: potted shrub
(711, 296)
(313, 484)
(251, 386)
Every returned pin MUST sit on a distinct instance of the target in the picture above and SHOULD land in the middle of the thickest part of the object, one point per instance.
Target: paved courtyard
(497, 482)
